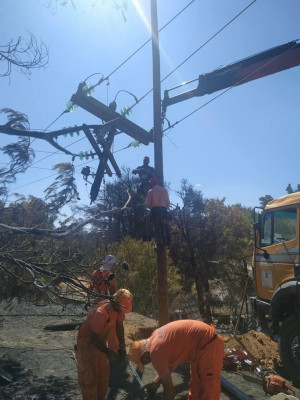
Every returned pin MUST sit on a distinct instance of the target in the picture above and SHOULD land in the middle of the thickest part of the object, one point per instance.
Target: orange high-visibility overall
(98, 282)
(195, 342)
(205, 383)
(92, 364)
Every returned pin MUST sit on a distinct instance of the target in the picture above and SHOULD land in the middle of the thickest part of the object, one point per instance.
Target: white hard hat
(110, 259)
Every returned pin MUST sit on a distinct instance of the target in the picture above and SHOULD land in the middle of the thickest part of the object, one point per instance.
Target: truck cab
(276, 274)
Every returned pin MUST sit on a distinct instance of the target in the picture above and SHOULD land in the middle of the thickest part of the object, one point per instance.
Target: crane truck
(276, 273)
(276, 259)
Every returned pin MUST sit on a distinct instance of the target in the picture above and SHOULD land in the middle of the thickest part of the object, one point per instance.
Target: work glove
(122, 353)
(114, 358)
(151, 389)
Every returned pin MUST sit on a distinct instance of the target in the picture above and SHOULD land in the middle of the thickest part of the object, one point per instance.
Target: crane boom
(257, 66)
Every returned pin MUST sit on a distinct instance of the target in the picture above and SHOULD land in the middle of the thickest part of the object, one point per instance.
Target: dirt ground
(42, 365)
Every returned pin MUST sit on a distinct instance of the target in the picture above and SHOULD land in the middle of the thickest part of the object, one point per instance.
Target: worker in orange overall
(92, 351)
(179, 342)
(158, 201)
(103, 280)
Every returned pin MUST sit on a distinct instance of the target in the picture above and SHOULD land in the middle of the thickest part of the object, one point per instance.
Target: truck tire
(289, 347)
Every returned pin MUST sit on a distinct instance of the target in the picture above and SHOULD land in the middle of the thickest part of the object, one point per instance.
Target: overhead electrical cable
(50, 176)
(212, 37)
(175, 69)
(60, 115)
(56, 152)
(149, 40)
(146, 94)
(191, 55)
(231, 87)
(127, 59)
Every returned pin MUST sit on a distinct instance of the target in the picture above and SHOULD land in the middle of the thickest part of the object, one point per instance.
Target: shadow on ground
(124, 384)
(27, 385)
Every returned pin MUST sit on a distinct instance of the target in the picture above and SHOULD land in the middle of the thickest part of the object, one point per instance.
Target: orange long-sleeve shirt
(158, 197)
(100, 321)
(178, 342)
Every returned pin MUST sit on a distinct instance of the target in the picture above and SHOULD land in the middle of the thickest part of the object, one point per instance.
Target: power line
(128, 58)
(61, 114)
(177, 122)
(227, 90)
(76, 170)
(47, 152)
(55, 152)
(199, 48)
(191, 55)
(50, 176)
(149, 40)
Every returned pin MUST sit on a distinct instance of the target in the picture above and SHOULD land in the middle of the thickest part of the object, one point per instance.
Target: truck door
(279, 239)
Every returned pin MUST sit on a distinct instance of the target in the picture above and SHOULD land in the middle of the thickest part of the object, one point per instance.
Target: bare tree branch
(16, 127)
(69, 232)
(24, 54)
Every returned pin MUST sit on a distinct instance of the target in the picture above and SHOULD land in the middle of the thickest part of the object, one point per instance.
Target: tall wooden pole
(162, 278)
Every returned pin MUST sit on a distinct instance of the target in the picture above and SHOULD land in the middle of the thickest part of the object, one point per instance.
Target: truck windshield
(278, 226)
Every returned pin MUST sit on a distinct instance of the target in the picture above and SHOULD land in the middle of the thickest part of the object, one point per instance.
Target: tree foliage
(141, 279)
(264, 200)
(119, 5)
(211, 241)
(41, 268)
(208, 235)
(290, 190)
(116, 226)
(63, 191)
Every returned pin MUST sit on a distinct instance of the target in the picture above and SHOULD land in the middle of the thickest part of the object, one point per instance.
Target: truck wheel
(289, 346)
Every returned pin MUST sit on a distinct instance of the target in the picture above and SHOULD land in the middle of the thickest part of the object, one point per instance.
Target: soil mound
(258, 345)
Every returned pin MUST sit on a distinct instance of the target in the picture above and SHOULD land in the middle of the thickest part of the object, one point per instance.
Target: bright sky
(241, 146)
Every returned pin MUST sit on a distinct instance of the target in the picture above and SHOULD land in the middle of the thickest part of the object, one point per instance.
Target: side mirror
(257, 226)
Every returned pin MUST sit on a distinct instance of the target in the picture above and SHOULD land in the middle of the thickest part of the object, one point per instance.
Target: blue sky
(241, 146)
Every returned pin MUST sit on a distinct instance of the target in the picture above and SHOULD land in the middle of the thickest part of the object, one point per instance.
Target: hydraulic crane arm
(257, 66)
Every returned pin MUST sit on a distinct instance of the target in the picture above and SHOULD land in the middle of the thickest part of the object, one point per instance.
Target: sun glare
(147, 23)
(141, 13)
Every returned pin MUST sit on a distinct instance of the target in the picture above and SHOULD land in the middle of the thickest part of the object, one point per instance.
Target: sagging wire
(102, 79)
(126, 91)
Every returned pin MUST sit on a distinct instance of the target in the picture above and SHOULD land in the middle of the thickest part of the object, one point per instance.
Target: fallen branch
(62, 234)
(8, 129)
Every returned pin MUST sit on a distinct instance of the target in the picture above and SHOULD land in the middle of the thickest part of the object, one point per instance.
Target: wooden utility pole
(162, 278)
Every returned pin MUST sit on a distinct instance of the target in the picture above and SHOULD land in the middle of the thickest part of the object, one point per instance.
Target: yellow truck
(276, 273)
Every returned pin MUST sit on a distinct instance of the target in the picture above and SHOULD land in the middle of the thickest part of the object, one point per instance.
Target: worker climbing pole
(158, 201)
(145, 172)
